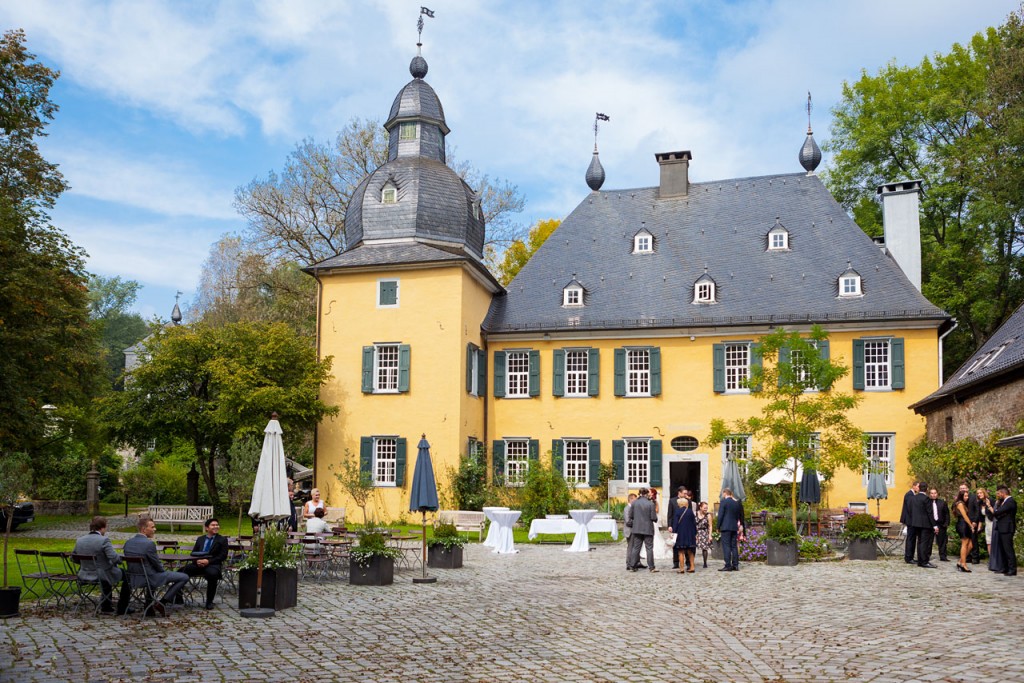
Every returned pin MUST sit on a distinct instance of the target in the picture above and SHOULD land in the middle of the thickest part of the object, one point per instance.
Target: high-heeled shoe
(959, 567)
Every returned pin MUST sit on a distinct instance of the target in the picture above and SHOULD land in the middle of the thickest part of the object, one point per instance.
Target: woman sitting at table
(685, 526)
(317, 525)
(312, 505)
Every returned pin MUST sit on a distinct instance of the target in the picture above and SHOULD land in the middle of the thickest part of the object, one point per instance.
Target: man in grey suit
(104, 568)
(644, 516)
(627, 528)
(142, 545)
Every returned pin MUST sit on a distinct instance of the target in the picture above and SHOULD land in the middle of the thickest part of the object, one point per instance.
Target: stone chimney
(902, 221)
(675, 174)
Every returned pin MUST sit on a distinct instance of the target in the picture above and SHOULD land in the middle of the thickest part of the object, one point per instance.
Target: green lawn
(28, 563)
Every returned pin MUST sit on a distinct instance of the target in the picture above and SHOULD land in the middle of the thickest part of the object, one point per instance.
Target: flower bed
(754, 547)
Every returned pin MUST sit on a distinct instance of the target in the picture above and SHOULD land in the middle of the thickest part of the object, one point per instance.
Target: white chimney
(902, 221)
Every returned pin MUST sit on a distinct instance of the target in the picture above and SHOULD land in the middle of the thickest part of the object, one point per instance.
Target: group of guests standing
(926, 519)
(690, 525)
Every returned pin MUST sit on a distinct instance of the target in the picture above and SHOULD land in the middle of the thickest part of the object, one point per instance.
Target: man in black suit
(211, 549)
(905, 520)
(919, 514)
(938, 517)
(1006, 524)
(730, 524)
(673, 505)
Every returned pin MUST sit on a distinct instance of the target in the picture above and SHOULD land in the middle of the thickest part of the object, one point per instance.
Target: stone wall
(60, 507)
(980, 415)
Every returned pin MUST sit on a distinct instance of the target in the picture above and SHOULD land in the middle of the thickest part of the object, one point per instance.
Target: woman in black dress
(703, 531)
(685, 526)
(963, 529)
(995, 555)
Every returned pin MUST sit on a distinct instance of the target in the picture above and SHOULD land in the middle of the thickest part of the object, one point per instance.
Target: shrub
(276, 553)
(373, 544)
(814, 548)
(862, 527)
(544, 493)
(446, 535)
(782, 531)
(469, 482)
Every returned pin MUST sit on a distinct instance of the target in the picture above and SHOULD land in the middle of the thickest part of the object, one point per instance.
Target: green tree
(109, 301)
(519, 252)
(244, 460)
(355, 482)
(802, 417)
(212, 385)
(15, 476)
(955, 121)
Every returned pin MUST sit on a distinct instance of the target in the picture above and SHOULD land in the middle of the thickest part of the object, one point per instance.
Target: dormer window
(476, 209)
(389, 195)
(407, 131)
(778, 237)
(849, 284)
(572, 296)
(643, 242)
(704, 290)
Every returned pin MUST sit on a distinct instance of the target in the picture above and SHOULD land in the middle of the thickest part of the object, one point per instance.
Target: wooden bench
(464, 520)
(180, 514)
(335, 516)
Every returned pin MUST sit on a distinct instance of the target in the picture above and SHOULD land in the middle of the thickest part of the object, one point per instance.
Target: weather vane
(808, 111)
(419, 24)
(177, 295)
(598, 117)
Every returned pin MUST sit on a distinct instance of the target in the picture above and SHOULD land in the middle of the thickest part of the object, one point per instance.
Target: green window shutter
(499, 374)
(655, 463)
(823, 353)
(400, 458)
(498, 458)
(367, 369)
(620, 372)
(783, 360)
(594, 462)
(655, 361)
(470, 355)
(403, 367)
(718, 357)
(593, 371)
(755, 362)
(556, 455)
(558, 376)
(858, 364)
(534, 373)
(619, 458)
(899, 373)
(481, 372)
(366, 456)
(534, 450)
(388, 293)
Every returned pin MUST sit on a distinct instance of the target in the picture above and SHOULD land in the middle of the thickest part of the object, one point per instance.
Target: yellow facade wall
(439, 312)
(688, 403)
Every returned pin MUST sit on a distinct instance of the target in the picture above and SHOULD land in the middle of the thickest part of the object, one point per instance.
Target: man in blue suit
(730, 524)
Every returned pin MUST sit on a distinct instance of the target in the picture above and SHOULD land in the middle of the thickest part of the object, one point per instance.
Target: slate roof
(399, 254)
(417, 100)
(999, 359)
(721, 225)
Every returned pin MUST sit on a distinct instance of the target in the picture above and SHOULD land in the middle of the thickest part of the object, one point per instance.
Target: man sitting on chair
(105, 568)
(212, 549)
(142, 545)
(318, 524)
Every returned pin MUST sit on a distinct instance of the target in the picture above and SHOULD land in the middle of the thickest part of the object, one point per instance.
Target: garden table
(581, 542)
(492, 531)
(503, 543)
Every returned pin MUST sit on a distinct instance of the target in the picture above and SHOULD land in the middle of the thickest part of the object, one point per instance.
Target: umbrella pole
(423, 558)
(258, 611)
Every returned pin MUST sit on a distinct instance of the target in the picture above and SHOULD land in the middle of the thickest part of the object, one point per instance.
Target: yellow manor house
(628, 331)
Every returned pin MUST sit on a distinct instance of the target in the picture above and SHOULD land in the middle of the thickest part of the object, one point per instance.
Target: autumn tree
(519, 252)
(955, 121)
(110, 299)
(802, 417)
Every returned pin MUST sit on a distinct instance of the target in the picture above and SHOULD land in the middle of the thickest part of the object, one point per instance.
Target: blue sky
(167, 107)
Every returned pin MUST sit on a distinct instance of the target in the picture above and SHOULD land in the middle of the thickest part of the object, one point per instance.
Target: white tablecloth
(492, 528)
(569, 526)
(581, 542)
(504, 519)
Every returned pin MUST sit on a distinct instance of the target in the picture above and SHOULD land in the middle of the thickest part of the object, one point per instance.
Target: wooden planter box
(379, 572)
(280, 588)
(781, 554)
(862, 549)
(440, 557)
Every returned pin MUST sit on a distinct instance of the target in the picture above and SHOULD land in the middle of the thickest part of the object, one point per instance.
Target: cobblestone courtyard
(547, 615)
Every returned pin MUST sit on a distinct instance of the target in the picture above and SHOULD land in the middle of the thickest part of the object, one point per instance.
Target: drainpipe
(941, 337)
(319, 308)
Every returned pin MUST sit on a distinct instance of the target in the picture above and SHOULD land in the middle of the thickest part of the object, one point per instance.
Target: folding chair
(35, 580)
(60, 577)
(315, 562)
(87, 591)
(143, 596)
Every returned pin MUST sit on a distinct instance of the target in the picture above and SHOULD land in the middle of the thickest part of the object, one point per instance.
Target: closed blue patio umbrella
(423, 497)
(810, 487)
(732, 480)
(877, 490)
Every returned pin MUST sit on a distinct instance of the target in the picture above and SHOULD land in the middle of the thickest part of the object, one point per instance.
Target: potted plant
(782, 549)
(716, 546)
(444, 550)
(15, 477)
(372, 562)
(862, 534)
(280, 573)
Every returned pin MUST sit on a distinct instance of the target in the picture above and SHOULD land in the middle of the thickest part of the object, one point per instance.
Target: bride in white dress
(664, 540)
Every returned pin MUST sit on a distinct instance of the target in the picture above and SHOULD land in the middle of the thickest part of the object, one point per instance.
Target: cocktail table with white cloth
(581, 542)
(492, 528)
(569, 526)
(503, 543)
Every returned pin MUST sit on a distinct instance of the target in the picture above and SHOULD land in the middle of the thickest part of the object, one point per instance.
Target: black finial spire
(595, 172)
(810, 153)
(418, 66)
(176, 312)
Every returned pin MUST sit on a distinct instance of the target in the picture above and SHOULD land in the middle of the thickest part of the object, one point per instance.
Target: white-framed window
(387, 293)
(577, 372)
(638, 372)
(737, 368)
(576, 461)
(407, 131)
(737, 448)
(389, 195)
(517, 461)
(801, 369)
(877, 370)
(517, 373)
(778, 240)
(643, 243)
(880, 455)
(476, 209)
(849, 285)
(572, 296)
(704, 292)
(385, 368)
(638, 462)
(385, 460)
(474, 373)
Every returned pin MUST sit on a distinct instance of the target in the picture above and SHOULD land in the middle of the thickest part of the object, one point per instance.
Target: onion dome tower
(810, 153)
(595, 172)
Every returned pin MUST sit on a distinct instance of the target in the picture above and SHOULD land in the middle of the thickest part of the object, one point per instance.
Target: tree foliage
(519, 252)
(212, 385)
(109, 301)
(795, 382)
(955, 121)
(354, 482)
